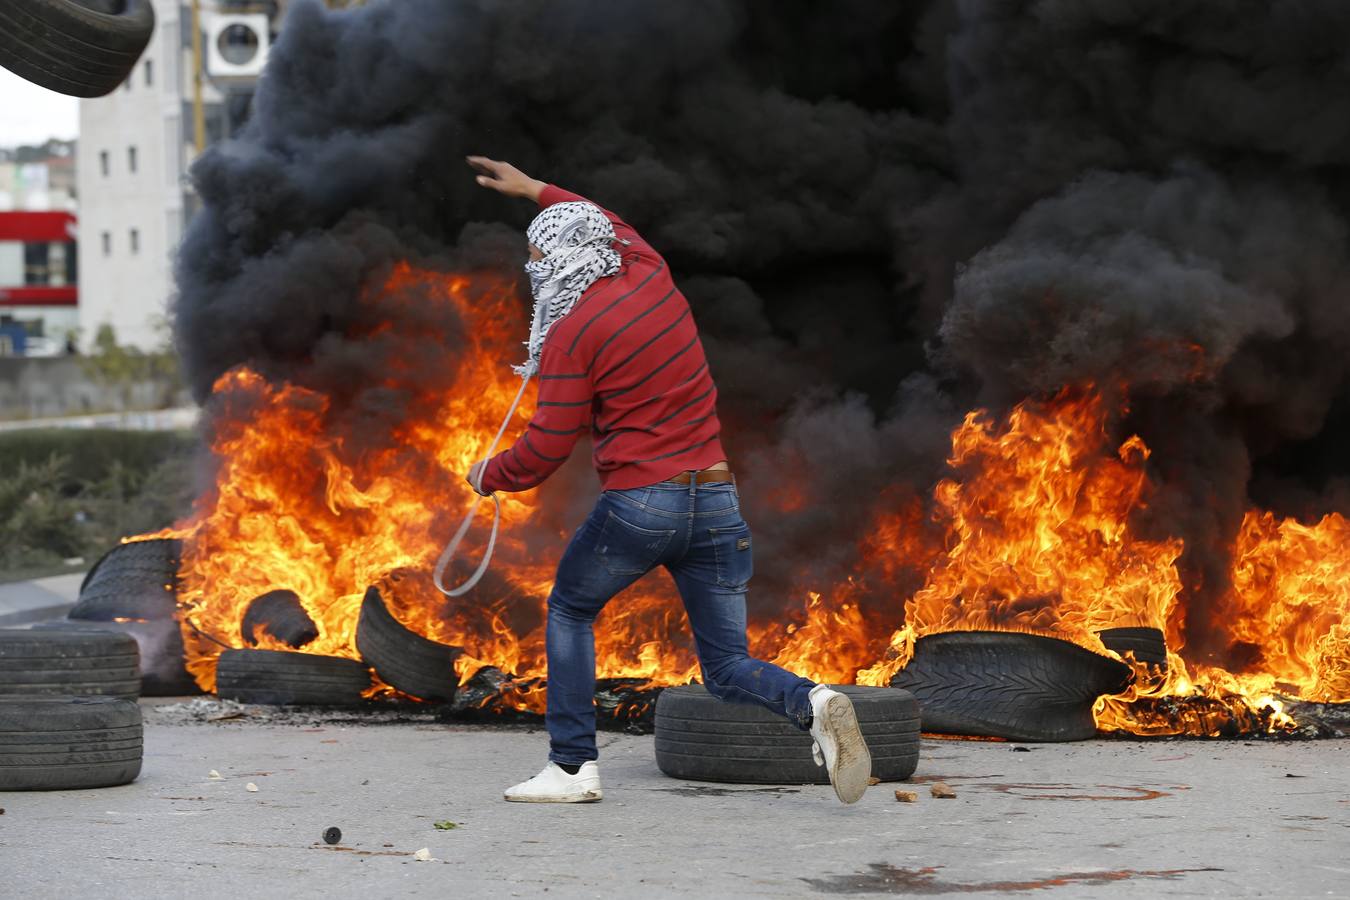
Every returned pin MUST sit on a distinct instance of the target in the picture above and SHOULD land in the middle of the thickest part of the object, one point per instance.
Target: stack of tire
(68, 712)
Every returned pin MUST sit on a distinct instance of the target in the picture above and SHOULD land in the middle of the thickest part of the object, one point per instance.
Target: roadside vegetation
(67, 496)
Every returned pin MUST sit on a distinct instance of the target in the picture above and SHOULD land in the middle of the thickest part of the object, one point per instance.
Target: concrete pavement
(22, 602)
(1098, 819)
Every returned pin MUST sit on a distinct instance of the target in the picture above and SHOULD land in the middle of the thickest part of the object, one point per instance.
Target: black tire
(417, 666)
(1148, 645)
(701, 738)
(71, 663)
(68, 47)
(279, 677)
(1023, 687)
(66, 743)
(279, 615)
(138, 580)
(163, 667)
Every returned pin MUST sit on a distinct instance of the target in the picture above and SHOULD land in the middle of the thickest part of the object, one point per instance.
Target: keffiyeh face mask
(576, 240)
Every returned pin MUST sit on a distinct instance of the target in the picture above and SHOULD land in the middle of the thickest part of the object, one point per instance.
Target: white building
(38, 254)
(135, 148)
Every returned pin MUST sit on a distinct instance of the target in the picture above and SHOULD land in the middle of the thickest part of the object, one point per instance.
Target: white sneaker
(839, 744)
(553, 785)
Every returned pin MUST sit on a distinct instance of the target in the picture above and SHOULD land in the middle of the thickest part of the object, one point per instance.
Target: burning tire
(138, 580)
(417, 666)
(163, 669)
(281, 616)
(66, 743)
(85, 48)
(1022, 687)
(279, 677)
(1147, 644)
(74, 663)
(701, 738)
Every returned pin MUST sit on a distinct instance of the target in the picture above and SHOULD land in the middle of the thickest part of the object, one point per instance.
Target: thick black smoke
(882, 213)
(1153, 195)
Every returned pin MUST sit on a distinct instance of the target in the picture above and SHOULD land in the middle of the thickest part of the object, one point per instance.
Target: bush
(92, 454)
(39, 524)
(67, 494)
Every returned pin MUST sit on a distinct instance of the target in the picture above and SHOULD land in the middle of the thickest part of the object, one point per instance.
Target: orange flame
(1039, 534)
(1035, 521)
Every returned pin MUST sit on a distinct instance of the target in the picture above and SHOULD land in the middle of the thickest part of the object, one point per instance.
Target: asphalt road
(1097, 819)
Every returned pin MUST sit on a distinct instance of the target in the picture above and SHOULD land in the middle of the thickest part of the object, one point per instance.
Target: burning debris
(1073, 367)
(278, 616)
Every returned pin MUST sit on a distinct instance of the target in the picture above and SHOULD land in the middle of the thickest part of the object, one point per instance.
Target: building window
(135, 241)
(107, 243)
(131, 158)
(59, 262)
(103, 162)
(36, 259)
(149, 72)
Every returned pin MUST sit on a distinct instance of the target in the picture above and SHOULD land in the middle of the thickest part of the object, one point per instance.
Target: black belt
(707, 476)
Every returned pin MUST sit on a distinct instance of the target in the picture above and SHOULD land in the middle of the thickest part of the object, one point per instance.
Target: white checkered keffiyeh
(576, 239)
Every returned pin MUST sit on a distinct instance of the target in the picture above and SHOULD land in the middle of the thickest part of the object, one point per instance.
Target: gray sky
(30, 114)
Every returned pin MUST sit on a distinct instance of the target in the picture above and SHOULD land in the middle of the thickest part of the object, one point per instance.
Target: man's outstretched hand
(505, 178)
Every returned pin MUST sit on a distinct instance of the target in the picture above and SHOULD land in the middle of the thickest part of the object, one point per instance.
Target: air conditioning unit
(237, 46)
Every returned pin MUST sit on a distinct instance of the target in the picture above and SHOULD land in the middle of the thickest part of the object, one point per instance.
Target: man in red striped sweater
(617, 354)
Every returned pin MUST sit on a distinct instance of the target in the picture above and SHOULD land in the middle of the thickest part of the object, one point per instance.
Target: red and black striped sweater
(626, 364)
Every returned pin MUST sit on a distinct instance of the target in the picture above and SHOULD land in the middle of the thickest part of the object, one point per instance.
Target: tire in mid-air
(701, 738)
(71, 663)
(1023, 687)
(65, 743)
(280, 677)
(84, 48)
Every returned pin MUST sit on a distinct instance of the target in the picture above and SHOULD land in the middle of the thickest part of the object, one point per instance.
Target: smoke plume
(882, 214)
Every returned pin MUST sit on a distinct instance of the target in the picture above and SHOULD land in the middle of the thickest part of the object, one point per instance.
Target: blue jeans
(697, 533)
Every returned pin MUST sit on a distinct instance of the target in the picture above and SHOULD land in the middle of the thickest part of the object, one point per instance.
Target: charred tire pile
(417, 666)
(85, 48)
(1022, 687)
(132, 581)
(701, 738)
(63, 743)
(280, 677)
(69, 663)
